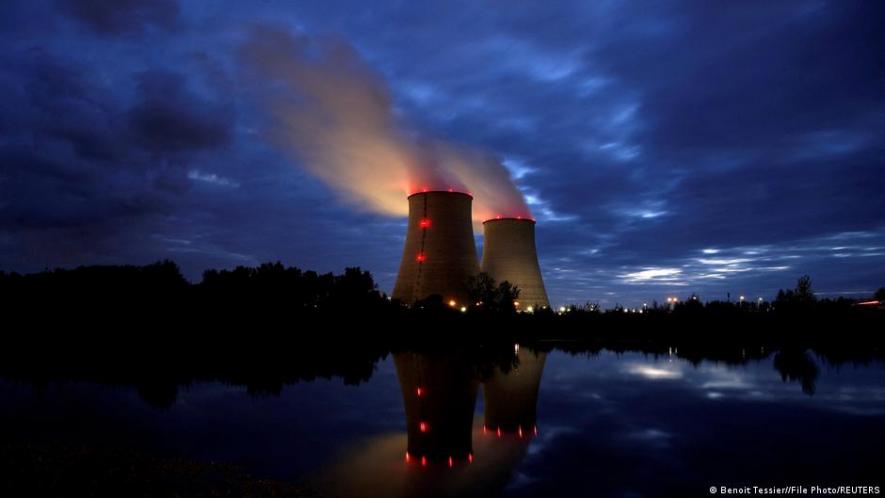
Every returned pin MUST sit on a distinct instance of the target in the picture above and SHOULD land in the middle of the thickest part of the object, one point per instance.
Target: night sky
(663, 147)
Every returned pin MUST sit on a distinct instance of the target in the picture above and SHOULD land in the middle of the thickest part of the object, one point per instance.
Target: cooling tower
(509, 254)
(440, 253)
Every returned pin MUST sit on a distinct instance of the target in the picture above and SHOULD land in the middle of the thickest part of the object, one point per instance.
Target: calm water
(606, 425)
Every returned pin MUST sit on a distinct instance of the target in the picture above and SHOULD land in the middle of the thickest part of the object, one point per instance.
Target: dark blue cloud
(665, 148)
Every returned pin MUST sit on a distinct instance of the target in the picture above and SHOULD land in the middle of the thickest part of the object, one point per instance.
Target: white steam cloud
(335, 115)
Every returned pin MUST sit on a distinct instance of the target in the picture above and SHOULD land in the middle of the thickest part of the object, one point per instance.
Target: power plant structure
(509, 254)
(439, 254)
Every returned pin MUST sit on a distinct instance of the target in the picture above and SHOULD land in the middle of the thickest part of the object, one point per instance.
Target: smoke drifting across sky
(335, 115)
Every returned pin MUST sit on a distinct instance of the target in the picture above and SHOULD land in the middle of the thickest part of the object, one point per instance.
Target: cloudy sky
(664, 147)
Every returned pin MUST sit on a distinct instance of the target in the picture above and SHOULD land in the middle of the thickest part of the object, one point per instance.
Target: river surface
(555, 425)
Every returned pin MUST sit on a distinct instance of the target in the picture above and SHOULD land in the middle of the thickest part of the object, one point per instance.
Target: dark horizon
(663, 150)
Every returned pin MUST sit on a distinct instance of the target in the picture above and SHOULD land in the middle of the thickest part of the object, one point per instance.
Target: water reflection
(608, 424)
(447, 452)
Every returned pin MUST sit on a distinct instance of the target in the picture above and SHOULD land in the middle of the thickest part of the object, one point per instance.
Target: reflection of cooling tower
(509, 254)
(439, 393)
(511, 399)
(439, 254)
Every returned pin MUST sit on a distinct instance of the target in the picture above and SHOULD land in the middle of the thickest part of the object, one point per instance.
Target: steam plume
(335, 115)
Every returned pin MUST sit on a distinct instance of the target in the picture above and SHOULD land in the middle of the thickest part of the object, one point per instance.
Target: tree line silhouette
(273, 290)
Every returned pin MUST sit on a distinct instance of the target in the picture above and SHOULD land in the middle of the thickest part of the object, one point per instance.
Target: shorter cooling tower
(509, 254)
(439, 254)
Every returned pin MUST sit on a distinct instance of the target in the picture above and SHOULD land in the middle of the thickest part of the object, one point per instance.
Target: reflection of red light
(422, 426)
(470, 458)
(408, 457)
(499, 432)
(535, 430)
(424, 461)
(451, 190)
(424, 223)
(420, 257)
(484, 429)
(520, 431)
(451, 462)
(419, 391)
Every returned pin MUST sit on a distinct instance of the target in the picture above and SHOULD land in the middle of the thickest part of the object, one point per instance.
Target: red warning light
(470, 458)
(422, 426)
(420, 257)
(424, 461)
(424, 223)
(451, 462)
(419, 391)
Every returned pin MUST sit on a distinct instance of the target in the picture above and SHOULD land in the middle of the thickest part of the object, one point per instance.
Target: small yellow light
(452, 303)
(463, 309)
(530, 309)
(516, 303)
(562, 309)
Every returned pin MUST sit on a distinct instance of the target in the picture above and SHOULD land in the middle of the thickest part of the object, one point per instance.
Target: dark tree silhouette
(489, 296)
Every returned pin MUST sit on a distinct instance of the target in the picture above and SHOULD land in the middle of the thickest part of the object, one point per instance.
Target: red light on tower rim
(499, 217)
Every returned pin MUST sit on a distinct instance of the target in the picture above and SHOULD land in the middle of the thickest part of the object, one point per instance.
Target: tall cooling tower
(509, 254)
(440, 253)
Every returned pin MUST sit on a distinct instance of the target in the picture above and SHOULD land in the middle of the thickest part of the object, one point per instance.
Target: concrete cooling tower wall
(509, 254)
(439, 254)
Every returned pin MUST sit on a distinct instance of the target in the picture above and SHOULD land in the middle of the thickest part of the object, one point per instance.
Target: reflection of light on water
(652, 372)
(377, 469)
